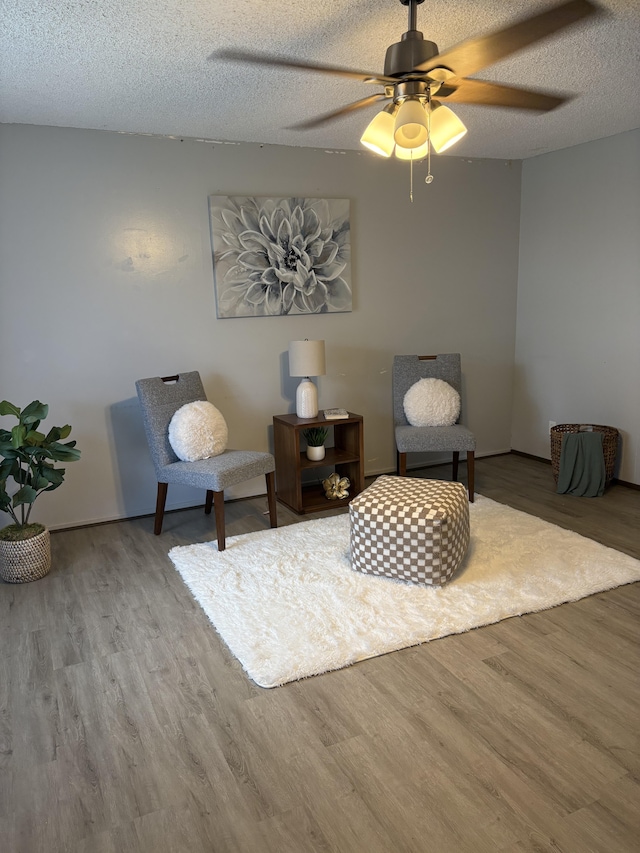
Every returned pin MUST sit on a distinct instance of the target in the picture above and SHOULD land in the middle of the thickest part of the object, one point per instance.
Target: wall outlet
(551, 424)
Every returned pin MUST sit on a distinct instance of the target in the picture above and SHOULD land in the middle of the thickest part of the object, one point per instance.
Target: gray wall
(578, 318)
(106, 271)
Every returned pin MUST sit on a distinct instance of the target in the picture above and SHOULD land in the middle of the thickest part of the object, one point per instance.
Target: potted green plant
(315, 438)
(27, 456)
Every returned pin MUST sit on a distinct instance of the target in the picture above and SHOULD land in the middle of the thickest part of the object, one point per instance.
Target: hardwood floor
(126, 725)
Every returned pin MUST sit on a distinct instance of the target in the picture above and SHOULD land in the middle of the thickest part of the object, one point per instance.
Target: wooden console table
(346, 458)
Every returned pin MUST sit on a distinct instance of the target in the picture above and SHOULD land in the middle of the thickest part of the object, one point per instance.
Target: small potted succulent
(27, 456)
(315, 438)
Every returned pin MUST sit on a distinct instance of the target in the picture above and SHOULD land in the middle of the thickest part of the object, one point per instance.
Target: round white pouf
(198, 431)
(431, 402)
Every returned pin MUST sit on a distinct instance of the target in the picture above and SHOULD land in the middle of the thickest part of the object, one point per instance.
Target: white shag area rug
(288, 605)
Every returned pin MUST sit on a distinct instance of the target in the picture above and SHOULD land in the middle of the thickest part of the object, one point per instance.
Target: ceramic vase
(315, 454)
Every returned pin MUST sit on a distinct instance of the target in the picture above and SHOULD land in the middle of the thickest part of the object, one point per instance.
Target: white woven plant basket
(29, 560)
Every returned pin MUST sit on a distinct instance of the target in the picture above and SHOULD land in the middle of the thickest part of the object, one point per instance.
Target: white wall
(578, 317)
(106, 271)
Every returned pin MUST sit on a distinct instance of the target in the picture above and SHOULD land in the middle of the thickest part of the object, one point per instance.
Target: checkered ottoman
(410, 529)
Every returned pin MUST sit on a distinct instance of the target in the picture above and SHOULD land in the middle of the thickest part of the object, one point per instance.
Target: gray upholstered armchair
(160, 398)
(407, 370)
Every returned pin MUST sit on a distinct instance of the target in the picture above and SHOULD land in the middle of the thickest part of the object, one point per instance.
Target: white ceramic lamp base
(307, 399)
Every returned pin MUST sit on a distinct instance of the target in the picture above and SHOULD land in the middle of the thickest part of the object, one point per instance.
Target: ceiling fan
(415, 72)
(415, 65)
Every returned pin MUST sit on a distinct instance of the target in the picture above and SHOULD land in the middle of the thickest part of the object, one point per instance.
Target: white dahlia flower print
(280, 256)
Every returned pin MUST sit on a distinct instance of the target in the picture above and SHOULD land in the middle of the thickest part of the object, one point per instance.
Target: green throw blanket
(582, 465)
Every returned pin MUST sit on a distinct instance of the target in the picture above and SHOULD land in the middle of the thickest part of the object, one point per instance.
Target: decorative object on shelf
(306, 359)
(315, 438)
(27, 457)
(277, 256)
(335, 414)
(336, 487)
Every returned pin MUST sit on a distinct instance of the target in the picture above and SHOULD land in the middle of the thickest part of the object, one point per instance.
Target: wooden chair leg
(456, 456)
(471, 474)
(271, 498)
(218, 505)
(160, 502)
(208, 502)
(402, 464)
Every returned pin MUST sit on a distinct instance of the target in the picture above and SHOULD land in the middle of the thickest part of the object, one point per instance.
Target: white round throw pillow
(432, 402)
(198, 431)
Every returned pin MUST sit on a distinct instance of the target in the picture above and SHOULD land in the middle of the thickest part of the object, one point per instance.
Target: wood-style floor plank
(127, 725)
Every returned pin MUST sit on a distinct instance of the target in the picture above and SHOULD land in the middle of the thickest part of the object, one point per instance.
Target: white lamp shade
(412, 153)
(411, 124)
(446, 127)
(306, 358)
(378, 135)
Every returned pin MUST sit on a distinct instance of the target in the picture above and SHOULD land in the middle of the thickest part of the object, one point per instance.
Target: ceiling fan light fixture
(415, 70)
(414, 154)
(411, 124)
(445, 127)
(378, 135)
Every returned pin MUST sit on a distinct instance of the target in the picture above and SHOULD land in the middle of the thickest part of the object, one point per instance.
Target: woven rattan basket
(609, 445)
(28, 560)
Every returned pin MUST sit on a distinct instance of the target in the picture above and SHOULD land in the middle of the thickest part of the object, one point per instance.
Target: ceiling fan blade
(497, 95)
(342, 111)
(472, 55)
(283, 62)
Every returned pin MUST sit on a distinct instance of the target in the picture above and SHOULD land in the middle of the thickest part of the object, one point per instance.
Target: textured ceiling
(141, 66)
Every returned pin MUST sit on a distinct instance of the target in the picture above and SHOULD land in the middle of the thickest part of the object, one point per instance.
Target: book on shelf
(335, 414)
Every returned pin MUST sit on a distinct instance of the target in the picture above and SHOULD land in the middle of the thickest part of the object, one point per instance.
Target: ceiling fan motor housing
(403, 56)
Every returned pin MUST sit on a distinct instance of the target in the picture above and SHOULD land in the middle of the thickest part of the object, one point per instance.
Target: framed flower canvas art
(280, 256)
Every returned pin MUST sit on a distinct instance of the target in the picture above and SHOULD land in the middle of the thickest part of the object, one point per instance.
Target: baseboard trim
(531, 456)
(186, 508)
(368, 475)
(616, 480)
(626, 483)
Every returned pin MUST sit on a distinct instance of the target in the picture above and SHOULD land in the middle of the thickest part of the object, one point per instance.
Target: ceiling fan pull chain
(411, 178)
(429, 177)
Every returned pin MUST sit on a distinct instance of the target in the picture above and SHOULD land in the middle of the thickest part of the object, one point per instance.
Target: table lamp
(306, 359)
